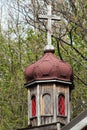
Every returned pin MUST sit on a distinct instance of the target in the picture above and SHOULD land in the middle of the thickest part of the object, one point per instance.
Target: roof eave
(47, 81)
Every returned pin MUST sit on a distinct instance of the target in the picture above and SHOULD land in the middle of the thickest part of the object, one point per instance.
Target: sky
(3, 14)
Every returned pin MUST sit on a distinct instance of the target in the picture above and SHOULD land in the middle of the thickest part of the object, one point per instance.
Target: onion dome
(49, 67)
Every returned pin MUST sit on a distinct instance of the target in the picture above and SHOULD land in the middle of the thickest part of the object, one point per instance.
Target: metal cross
(49, 27)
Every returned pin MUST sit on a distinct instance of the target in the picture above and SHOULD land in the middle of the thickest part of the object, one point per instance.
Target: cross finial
(49, 30)
(49, 17)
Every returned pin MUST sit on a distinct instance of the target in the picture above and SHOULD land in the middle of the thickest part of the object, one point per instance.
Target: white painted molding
(80, 125)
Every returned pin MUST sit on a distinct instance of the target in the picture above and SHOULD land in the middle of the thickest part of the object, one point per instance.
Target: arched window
(46, 104)
(33, 105)
(61, 105)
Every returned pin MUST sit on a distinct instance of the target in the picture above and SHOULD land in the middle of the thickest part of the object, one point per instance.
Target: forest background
(22, 39)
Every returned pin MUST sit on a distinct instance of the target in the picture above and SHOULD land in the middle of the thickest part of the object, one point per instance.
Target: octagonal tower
(49, 82)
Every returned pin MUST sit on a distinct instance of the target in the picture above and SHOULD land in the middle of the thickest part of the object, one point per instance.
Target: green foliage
(15, 55)
(13, 109)
(20, 47)
(76, 54)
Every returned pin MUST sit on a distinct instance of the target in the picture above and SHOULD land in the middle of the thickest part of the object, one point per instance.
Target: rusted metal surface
(49, 67)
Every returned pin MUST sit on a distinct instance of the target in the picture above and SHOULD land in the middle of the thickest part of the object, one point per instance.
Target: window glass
(61, 104)
(46, 104)
(33, 105)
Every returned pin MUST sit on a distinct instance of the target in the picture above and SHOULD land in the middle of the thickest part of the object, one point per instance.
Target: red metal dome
(49, 67)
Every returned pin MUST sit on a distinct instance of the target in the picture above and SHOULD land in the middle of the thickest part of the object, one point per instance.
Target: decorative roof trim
(47, 81)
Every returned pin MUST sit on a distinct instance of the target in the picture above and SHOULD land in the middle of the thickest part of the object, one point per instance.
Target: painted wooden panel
(47, 103)
(62, 119)
(33, 121)
(46, 119)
